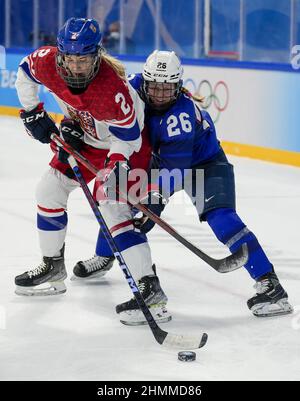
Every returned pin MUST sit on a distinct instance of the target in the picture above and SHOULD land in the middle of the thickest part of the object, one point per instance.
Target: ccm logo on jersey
(34, 117)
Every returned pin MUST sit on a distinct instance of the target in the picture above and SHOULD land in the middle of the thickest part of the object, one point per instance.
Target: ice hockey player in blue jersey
(184, 137)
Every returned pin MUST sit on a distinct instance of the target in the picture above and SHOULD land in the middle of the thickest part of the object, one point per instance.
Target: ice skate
(95, 267)
(155, 298)
(271, 299)
(46, 279)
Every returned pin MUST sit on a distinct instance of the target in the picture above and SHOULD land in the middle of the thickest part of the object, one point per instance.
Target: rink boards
(255, 110)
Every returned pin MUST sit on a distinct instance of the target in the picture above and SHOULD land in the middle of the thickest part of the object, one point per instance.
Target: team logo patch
(74, 35)
(93, 28)
(85, 119)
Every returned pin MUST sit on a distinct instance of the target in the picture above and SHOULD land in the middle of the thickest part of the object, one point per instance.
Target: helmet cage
(73, 80)
(159, 92)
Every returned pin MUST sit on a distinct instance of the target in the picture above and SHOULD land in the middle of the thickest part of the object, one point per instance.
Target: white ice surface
(77, 336)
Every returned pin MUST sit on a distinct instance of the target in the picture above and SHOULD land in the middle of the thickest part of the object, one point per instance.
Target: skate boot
(46, 279)
(271, 299)
(95, 267)
(155, 298)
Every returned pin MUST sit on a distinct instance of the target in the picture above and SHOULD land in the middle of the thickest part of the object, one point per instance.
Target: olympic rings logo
(216, 98)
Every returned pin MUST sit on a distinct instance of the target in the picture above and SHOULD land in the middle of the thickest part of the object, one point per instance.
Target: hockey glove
(38, 124)
(72, 134)
(115, 176)
(156, 202)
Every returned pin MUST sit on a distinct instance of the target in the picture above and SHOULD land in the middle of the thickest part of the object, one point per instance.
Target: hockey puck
(186, 356)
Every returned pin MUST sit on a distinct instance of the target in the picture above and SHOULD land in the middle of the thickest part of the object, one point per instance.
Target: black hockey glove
(38, 124)
(72, 134)
(115, 176)
(156, 202)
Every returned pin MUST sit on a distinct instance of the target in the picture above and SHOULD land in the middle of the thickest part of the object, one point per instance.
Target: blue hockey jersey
(184, 136)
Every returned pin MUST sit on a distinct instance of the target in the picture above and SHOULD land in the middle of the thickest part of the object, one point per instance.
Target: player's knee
(225, 223)
(50, 193)
(42, 194)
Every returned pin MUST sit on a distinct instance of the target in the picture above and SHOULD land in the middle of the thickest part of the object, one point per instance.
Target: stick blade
(234, 261)
(184, 341)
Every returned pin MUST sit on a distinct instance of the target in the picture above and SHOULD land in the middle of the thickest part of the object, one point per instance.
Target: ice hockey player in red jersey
(104, 120)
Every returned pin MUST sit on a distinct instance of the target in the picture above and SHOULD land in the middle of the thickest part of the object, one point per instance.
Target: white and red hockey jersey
(109, 111)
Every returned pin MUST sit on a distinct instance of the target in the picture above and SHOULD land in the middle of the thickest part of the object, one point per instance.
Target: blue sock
(102, 246)
(231, 231)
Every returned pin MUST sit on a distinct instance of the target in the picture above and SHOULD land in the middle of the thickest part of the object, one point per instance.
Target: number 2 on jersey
(175, 127)
(124, 106)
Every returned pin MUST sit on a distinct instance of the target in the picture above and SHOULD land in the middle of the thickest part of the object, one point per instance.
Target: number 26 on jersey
(175, 125)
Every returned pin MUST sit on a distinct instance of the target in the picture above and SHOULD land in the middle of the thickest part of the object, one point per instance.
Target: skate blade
(91, 277)
(137, 318)
(282, 307)
(52, 288)
(144, 322)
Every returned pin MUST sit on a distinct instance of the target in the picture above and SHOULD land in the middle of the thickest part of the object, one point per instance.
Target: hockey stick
(225, 265)
(161, 336)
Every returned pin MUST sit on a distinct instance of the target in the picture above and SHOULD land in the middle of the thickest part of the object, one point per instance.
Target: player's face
(161, 94)
(79, 65)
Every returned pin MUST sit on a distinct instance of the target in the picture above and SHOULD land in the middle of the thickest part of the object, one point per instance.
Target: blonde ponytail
(115, 64)
(195, 97)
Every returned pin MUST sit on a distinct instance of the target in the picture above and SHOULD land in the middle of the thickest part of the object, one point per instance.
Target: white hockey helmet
(164, 70)
(162, 66)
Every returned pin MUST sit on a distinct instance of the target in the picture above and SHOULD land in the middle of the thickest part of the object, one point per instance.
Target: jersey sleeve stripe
(25, 67)
(126, 133)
